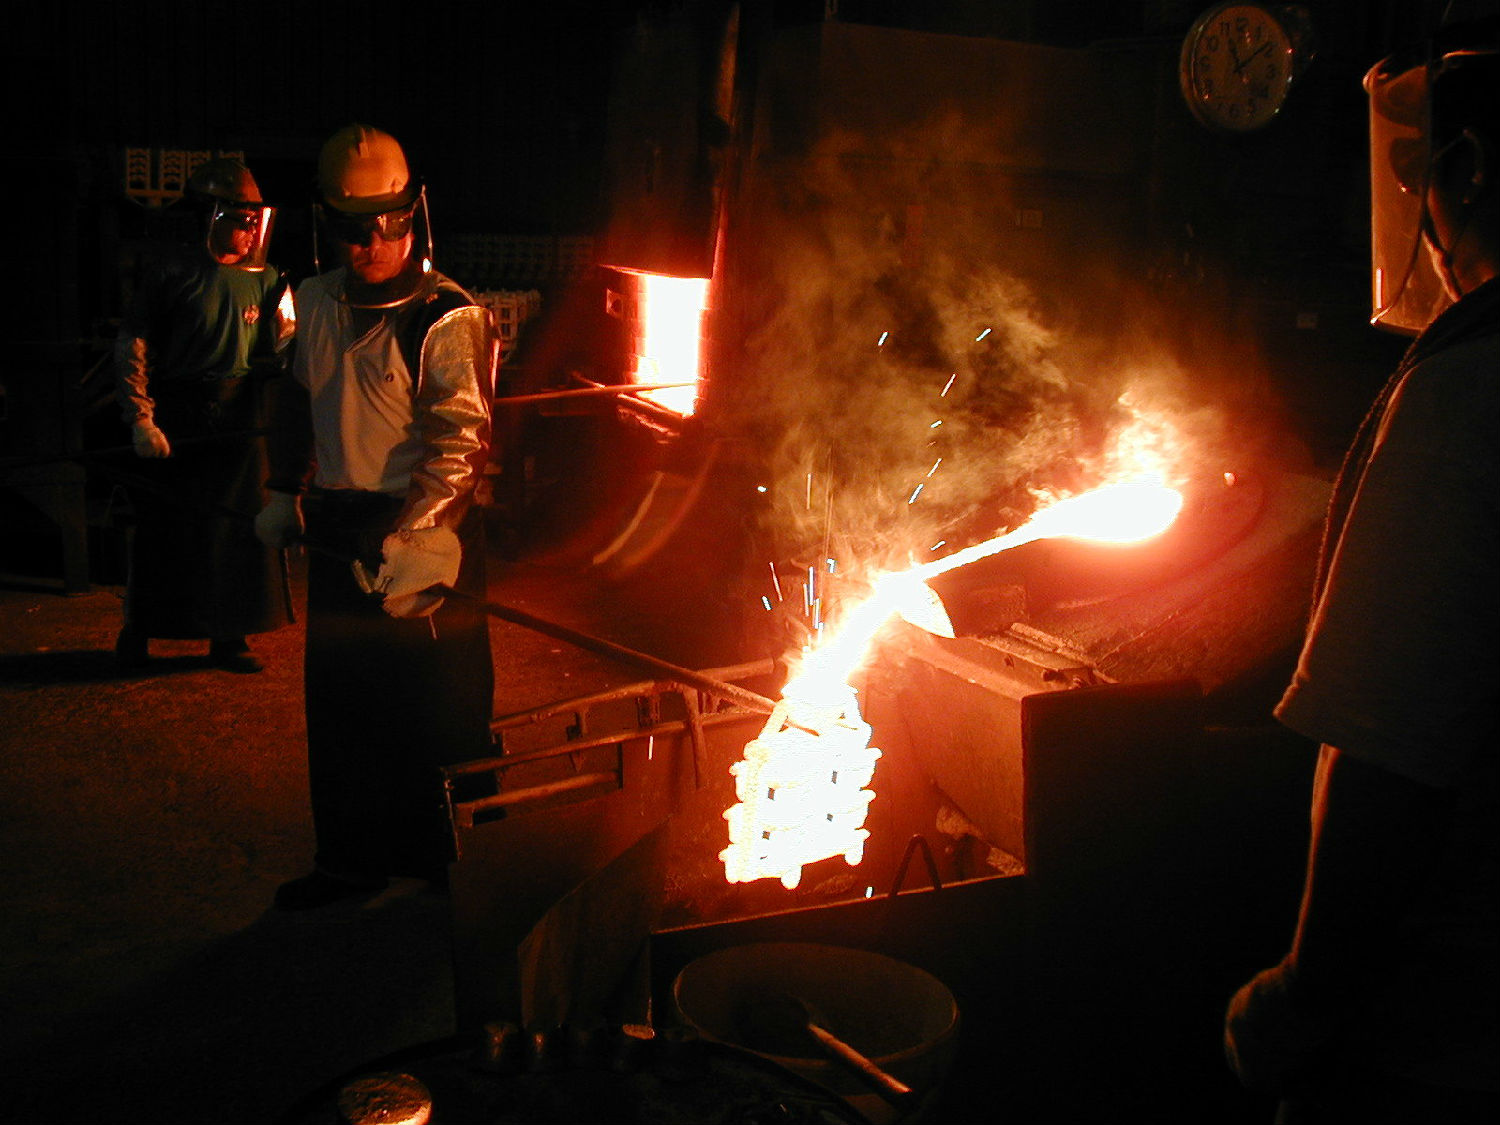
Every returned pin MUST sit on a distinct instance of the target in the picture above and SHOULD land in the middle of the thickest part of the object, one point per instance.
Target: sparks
(935, 465)
(948, 385)
(775, 582)
(983, 334)
(912, 499)
(883, 337)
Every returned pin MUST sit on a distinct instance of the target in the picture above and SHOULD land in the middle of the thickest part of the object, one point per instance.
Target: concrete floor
(145, 822)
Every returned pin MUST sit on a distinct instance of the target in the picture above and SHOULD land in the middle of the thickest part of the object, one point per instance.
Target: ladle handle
(898, 1093)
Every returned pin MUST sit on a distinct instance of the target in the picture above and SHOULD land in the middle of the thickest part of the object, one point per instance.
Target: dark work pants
(196, 569)
(389, 701)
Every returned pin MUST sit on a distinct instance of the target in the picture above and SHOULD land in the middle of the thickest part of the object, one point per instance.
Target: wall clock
(1239, 60)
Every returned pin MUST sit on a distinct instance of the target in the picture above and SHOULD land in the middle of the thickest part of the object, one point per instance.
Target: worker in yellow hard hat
(378, 449)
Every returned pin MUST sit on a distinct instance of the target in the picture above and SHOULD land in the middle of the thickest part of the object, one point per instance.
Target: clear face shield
(387, 255)
(239, 234)
(1407, 289)
(1410, 270)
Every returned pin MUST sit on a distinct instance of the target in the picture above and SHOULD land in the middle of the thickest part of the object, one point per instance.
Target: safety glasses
(355, 230)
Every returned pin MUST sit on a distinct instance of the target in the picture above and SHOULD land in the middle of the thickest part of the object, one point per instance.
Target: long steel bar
(538, 792)
(562, 749)
(601, 391)
(733, 692)
(515, 719)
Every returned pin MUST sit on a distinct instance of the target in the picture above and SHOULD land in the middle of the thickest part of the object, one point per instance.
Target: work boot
(318, 888)
(130, 651)
(233, 655)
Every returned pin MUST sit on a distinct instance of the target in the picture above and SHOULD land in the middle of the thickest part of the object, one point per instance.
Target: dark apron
(196, 568)
(389, 700)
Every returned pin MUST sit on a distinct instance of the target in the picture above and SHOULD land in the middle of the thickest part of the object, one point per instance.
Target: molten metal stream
(801, 783)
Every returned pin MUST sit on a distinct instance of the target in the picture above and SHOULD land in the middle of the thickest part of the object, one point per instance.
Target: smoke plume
(918, 374)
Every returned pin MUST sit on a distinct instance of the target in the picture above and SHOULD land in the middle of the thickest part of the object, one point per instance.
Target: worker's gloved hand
(414, 562)
(1273, 1035)
(148, 440)
(279, 524)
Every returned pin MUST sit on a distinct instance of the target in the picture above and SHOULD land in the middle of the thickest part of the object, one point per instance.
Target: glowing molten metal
(671, 316)
(1127, 512)
(800, 785)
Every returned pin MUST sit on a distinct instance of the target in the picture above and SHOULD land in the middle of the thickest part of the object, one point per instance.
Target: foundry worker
(390, 433)
(194, 348)
(1385, 1007)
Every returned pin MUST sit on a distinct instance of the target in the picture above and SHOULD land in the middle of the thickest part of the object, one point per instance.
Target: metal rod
(915, 844)
(615, 738)
(732, 673)
(733, 692)
(590, 392)
(538, 792)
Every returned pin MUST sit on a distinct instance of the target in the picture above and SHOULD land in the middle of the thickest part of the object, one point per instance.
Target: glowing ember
(671, 316)
(801, 783)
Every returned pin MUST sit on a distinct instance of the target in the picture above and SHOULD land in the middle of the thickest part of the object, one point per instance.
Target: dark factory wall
(501, 104)
(500, 101)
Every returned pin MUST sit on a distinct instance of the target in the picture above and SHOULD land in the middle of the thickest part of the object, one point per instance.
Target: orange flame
(671, 316)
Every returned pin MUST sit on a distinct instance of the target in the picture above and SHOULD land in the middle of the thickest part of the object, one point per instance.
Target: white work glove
(148, 440)
(414, 562)
(279, 524)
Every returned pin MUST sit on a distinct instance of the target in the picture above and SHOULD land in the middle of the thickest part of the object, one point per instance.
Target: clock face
(1236, 67)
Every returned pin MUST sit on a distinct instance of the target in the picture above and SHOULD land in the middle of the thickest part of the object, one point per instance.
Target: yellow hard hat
(363, 171)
